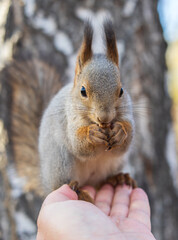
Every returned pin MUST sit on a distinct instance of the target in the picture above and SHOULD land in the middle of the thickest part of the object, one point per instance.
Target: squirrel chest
(96, 170)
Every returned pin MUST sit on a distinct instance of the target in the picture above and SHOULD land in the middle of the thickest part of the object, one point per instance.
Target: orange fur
(82, 194)
(83, 132)
(126, 126)
(127, 129)
(121, 179)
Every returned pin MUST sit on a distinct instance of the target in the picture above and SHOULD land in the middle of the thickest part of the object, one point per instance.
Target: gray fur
(64, 157)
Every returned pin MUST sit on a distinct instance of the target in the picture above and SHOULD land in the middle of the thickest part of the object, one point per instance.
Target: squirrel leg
(82, 195)
(121, 179)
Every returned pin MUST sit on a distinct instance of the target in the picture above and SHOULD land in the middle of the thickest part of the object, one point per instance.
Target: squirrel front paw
(97, 135)
(94, 134)
(120, 134)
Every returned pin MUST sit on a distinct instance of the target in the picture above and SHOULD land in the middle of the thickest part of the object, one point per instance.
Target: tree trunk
(52, 30)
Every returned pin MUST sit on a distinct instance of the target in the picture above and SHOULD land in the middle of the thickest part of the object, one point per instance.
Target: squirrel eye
(83, 92)
(121, 92)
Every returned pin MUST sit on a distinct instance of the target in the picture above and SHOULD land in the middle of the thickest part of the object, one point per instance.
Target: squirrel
(88, 125)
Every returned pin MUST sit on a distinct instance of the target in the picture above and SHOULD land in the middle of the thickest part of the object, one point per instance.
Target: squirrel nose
(105, 117)
(103, 120)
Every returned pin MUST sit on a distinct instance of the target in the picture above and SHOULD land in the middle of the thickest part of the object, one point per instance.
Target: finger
(139, 207)
(63, 193)
(39, 236)
(90, 190)
(104, 198)
(120, 205)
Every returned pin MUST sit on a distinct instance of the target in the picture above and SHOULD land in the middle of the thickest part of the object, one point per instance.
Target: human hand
(120, 214)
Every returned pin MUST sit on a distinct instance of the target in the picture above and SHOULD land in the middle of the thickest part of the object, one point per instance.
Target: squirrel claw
(108, 148)
(122, 179)
(74, 186)
(82, 194)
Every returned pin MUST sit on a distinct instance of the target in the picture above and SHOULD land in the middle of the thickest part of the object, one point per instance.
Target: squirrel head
(97, 85)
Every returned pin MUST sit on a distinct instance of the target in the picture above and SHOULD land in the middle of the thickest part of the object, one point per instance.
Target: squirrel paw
(82, 195)
(97, 135)
(121, 179)
(119, 135)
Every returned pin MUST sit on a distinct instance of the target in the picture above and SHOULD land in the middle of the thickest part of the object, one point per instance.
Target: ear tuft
(112, 52)
(85, 53)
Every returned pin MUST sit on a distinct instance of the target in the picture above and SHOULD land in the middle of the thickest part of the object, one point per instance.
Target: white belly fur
(96, 170)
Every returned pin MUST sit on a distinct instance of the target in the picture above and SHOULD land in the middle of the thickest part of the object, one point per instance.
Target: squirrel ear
(85, 52)
(112, 52)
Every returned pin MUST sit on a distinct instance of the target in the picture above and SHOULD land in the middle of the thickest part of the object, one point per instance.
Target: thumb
(63, 193)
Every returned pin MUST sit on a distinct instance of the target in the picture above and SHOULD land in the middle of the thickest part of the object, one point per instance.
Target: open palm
(122, 214)
(129, 209)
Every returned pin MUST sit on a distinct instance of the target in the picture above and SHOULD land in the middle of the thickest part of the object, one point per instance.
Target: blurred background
(168, 11)
(40, 39)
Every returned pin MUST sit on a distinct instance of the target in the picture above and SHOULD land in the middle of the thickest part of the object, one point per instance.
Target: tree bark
(53, 30)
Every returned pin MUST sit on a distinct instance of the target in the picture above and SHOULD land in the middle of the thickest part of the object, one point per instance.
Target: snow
(129, 7)
(17, 183)
(63, 43)
(26, 229)
(29, 7)
(46, 24)
(39, 21)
